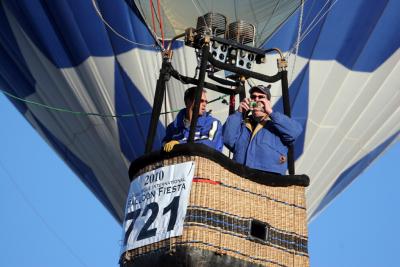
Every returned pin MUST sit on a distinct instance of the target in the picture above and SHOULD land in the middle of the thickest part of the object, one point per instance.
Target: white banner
(156, 205)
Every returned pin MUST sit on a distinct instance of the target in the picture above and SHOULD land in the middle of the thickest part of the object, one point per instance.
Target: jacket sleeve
(168, 134)
(212, 136)
(288, 129)
(231, 130)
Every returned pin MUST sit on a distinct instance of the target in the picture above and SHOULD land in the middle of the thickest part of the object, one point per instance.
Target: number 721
(145, 232)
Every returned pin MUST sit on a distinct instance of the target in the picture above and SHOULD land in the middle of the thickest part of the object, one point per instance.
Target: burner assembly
(231, 43)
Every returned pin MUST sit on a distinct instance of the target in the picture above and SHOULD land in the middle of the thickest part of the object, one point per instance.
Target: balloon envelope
(177, 16)
(344, 84)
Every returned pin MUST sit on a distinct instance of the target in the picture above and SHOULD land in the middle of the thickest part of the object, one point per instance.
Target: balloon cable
(161, 22)
(200, 14)
(120, 35)
(152, 16)
(98, 114)
(298, 40)
(312, 25)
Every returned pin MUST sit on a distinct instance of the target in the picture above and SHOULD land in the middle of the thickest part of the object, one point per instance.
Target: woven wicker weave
(221, 208)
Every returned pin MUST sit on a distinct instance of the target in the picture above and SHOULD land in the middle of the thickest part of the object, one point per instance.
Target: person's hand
(266, 105)
(244, 105)
(170, 145)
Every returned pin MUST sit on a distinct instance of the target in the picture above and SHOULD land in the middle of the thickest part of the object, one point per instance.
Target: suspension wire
(236, 10)
(98, 12)
(322, 16)
(197, 9)
(41, 218)
(207, 26)
(251, 82)
(199, 12)
(298, 39)
(152, 15)
(160, 22)
(200, 8)
(269, 19)
(312, 25)
(97, 114)
(317, 15)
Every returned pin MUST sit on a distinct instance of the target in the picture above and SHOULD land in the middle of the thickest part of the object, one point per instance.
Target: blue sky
(49, 218)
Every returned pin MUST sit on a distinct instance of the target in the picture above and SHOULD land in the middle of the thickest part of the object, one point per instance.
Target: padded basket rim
(204, 151)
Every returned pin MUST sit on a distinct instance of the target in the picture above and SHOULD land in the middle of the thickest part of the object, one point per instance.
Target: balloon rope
(310, 28)
(298, 39)
(93, 113)
(312, 25)
(152, 16)
(200, 13)
(269, 19)
(115, 31)
(161, 22)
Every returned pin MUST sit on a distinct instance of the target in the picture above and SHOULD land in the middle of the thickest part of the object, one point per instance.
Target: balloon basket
(236, 216)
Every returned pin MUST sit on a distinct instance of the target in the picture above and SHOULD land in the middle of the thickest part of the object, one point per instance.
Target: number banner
(156, 205)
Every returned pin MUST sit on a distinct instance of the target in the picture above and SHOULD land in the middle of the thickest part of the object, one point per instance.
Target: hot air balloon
(84, 73)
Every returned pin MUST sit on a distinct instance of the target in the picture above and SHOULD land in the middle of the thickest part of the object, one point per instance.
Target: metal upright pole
(242, 95)
(202, 74)
(158, 100)
(287, 111)
(242, 91)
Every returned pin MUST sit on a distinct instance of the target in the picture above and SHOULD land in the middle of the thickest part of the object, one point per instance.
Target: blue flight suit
(208, 131)
(265, 146)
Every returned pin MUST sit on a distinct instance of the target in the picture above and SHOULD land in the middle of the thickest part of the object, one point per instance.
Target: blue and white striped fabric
(344, 84)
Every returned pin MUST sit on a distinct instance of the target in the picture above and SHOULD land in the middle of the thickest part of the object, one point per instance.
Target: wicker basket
(232, 221)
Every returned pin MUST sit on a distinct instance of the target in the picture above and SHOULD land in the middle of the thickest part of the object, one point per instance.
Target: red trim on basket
(205, 180)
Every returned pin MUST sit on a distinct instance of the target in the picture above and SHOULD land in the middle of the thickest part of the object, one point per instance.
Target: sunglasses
(258, 96)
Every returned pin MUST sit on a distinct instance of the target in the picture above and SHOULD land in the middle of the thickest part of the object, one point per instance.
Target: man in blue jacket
(208, 129)
(260, 140)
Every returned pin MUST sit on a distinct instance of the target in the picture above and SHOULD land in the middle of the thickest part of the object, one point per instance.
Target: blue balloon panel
(100, 57)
